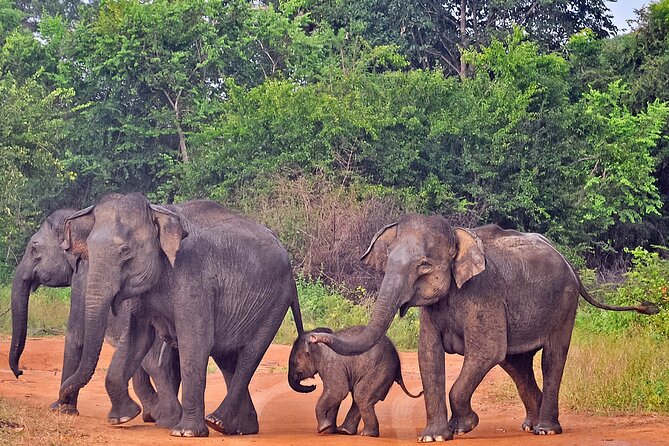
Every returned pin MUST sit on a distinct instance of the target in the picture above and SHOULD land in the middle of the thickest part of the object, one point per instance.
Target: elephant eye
(125, 252)
(424, 267)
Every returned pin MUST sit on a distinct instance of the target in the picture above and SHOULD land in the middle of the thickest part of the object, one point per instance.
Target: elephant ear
(469, 260)
(377, 253)
(77, 228)
(170, 231)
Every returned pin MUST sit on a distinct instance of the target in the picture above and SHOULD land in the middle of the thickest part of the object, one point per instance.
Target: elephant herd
(171, 285)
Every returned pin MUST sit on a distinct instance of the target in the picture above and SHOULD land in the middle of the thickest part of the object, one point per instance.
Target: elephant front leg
(433, 376)
(74, 343)
(126, 360)
(327, 409)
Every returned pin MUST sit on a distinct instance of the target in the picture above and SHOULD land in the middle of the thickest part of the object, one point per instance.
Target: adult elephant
(494, 296)
(45, 263)
(216, 283)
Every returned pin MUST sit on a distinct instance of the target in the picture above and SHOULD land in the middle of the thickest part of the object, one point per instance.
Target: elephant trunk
(99, 295)
(21, 287)
(294, 378)
(393, 288)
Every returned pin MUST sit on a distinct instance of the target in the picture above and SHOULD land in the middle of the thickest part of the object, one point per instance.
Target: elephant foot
(370, 432)
(147, 417)
(547, 428)
(119, 415)
(528, 424)
(239, 425)
(184, 429)
(66, 409)
(326, 428)
(462, 424)
(347, 430)
(435, 433)
(169, 420)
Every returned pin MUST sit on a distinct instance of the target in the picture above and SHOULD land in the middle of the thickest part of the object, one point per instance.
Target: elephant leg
(368, 414)
(196, 338)
(519, 368)
(224, 419)
(141, 383)
(165, 408)
(553, 359)
(351, 422)
(74, 343)
(127, 358)
(483, 351)
(433, 376)
(246, 418)
(328, 407)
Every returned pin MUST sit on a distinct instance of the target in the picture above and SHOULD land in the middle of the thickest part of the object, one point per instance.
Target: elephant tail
(400, 381)
(297, 314)
(645, 307)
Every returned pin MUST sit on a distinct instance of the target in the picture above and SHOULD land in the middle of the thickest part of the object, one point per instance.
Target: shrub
(647, 280)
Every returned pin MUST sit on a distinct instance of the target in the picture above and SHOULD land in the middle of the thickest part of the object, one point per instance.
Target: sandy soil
(287, 418)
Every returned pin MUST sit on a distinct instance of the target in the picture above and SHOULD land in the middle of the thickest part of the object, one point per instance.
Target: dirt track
(287, 418)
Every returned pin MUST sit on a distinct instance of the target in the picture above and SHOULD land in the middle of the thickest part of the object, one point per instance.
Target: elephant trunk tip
(322, 338)
(16, 370)
(648, 308)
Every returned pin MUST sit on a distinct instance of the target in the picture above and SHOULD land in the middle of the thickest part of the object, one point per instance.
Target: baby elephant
(367, 376)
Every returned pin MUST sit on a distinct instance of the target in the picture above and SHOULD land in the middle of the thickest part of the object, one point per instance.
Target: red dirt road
(287, 418)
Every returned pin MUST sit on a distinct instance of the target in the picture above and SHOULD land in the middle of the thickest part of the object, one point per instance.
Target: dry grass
(610, 375)
(25, 425)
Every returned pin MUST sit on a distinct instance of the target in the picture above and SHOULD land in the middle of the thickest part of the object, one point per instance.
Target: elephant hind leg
(553, 360)
(519, 368)
(246, 419)
(368, 414)
(351, 422)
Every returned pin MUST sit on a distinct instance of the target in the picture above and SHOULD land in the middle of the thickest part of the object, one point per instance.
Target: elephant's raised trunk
(393, 288)
(21, 287)
(99, 294)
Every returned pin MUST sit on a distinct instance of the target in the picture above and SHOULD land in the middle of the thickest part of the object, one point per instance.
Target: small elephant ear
(77, 228)
(469, 260)
(170, 231)
(377, 253)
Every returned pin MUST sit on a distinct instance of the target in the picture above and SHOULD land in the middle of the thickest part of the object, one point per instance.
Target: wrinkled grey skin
(216, 283)
(495, 296)
(45, 263)
(367, 377)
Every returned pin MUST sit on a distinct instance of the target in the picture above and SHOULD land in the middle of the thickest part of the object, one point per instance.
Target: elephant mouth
(404, 308)
(308, 381)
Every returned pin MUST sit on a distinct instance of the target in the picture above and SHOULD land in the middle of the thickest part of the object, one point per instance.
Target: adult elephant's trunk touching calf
(393, 290)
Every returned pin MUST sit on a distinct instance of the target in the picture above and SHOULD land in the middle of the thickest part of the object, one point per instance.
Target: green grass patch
(48, 311)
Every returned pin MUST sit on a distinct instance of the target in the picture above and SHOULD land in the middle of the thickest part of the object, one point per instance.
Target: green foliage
(647, 280)
(48, 311)
(31, 171)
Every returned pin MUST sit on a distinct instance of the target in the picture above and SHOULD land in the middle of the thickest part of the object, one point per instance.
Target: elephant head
(128, 243)
(302, 364)
(43, 263)
(422, 258)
